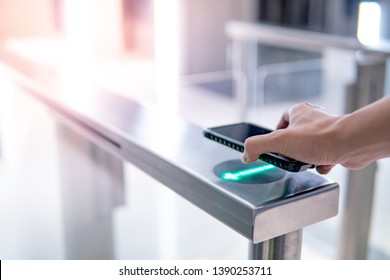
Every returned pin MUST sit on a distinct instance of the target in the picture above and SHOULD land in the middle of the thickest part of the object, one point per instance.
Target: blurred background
(182, 56)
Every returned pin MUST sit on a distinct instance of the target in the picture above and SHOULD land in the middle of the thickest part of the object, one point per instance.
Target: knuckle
(302, 105)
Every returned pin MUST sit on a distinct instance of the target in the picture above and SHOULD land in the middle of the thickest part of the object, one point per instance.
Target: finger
(256, 145)
(324, 169)
(284, 121)
(249, 158)
(287, 115)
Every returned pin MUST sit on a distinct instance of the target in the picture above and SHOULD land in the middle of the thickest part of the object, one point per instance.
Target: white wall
(203, 40)
(95, 24)
(26, 18)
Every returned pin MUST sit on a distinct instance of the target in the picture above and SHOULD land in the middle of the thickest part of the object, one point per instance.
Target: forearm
(365, 134)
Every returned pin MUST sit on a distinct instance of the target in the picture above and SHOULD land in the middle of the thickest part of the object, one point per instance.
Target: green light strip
(240, 174)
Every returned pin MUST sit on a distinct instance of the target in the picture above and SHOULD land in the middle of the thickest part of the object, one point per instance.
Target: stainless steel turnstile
(270, 209)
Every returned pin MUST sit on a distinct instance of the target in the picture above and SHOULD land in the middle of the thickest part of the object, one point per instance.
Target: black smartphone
(234, 136)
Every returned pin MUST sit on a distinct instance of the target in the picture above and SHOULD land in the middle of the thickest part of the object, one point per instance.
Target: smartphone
(234, 136)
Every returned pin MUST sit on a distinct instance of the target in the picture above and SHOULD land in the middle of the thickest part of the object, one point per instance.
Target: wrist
(343, 139)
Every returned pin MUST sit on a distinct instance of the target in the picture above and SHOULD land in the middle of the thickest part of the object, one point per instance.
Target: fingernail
(243, 158)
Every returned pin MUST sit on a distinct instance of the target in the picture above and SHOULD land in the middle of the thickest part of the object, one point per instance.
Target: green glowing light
(241, 174)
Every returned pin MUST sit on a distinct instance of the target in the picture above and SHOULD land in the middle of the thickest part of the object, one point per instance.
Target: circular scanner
(258, 172)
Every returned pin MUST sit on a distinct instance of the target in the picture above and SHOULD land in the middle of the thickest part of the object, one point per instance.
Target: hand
(305, 133)
(314, 135)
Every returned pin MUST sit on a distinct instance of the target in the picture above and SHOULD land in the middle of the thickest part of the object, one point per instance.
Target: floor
(31, 212)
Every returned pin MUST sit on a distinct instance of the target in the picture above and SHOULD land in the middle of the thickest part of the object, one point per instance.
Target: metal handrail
(300, 39)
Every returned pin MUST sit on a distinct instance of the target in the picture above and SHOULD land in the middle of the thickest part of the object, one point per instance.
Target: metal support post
(240, 79)
(284, 247)
(357, 216)
(244, 65)
(368, 88)
(92, 185)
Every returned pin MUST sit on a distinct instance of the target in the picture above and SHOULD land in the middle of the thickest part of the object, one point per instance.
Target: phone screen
(240, 131)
